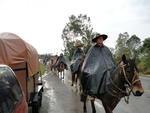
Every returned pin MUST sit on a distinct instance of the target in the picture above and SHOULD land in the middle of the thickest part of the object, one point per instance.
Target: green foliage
(78, 26)
(121, 47)
(145, 56)
(146, 45)
(42, 69)
(127, 45)
(134, 44)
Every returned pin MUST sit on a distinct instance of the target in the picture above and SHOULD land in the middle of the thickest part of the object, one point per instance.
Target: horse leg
(84, 107)
(73, 78)
(76, 78)
(83, 99)
(62, 74)
(58, 73)
(106, 107)
(93, 106)
(76, 82)
(52, 68)
(84, 104)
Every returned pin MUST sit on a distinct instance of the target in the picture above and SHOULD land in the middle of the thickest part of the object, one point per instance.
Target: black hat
(99, 35)
(61, 54)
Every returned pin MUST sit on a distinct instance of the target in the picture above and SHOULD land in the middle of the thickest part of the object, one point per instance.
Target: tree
(129, 46)
(134, 44)
(145, 55)
(87, 37)
(78, 26)
(121, 47)
(146, 46)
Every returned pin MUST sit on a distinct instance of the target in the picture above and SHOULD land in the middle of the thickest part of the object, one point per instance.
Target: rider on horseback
(76, 59)
(97, 66)
(60, 60)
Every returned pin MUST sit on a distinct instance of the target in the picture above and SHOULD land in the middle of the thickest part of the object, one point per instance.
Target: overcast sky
(40, 22)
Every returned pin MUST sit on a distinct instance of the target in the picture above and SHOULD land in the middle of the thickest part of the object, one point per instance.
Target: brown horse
(61, 69)
(53, 62)
(123, 81)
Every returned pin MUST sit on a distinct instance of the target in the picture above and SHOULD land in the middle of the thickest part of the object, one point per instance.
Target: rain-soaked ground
(60, 97)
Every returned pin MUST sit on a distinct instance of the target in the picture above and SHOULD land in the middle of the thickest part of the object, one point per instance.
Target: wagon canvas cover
(14, 50)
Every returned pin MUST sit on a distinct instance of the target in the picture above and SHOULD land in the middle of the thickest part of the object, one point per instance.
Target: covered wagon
(24, 60)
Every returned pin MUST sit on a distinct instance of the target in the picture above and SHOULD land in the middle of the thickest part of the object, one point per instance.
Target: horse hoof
(85, 112)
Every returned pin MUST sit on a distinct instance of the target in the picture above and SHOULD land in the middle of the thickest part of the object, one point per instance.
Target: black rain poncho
(76, 60)
(96, 68)
(61, 59)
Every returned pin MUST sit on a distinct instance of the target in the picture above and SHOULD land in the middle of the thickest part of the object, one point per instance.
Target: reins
(129, 88)
(133, 79)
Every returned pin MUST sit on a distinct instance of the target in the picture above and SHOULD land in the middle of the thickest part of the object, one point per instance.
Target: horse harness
(129, 87)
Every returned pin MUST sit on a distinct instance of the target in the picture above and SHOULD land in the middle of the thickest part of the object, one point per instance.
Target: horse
(53, 63)
(76, 75)
(123, 81)
(60, 68)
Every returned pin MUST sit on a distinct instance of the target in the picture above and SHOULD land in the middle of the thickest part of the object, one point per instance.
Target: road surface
(60, 97)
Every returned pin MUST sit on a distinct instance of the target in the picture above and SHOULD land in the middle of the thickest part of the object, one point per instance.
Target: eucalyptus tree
(77, 27)
(134, 43)
(121, 47)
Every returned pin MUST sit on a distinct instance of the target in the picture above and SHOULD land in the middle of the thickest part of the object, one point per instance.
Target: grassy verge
(42, 69)
(147, 72)
(144, 75)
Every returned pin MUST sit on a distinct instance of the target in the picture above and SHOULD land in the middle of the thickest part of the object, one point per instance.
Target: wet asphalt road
(60, 97)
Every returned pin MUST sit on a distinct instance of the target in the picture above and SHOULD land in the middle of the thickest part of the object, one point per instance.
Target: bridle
(134, 80)
(129, 86)
(61, 66)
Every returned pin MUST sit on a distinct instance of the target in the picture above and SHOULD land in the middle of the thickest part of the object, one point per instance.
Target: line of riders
(96, 65)
(99, 75)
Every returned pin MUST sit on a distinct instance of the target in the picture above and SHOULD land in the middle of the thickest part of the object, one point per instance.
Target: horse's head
(131, 76)
(62, 66)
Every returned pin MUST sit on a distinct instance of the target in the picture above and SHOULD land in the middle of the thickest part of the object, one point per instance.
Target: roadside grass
(42, 69)
(145, 74)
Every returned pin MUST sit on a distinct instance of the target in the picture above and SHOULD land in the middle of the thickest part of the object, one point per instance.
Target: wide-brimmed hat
(99, 35)
(61, 54)
(78, 43)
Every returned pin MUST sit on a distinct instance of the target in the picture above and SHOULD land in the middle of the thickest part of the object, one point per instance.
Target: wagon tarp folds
(14, 50)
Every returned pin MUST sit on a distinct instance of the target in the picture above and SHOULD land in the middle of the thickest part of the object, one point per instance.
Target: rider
(96, 67)
(76, 59)
(60, 60)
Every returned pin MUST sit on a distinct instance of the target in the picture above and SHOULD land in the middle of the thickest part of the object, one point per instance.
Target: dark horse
(60, 68)
(76, 74)
(123, 81)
